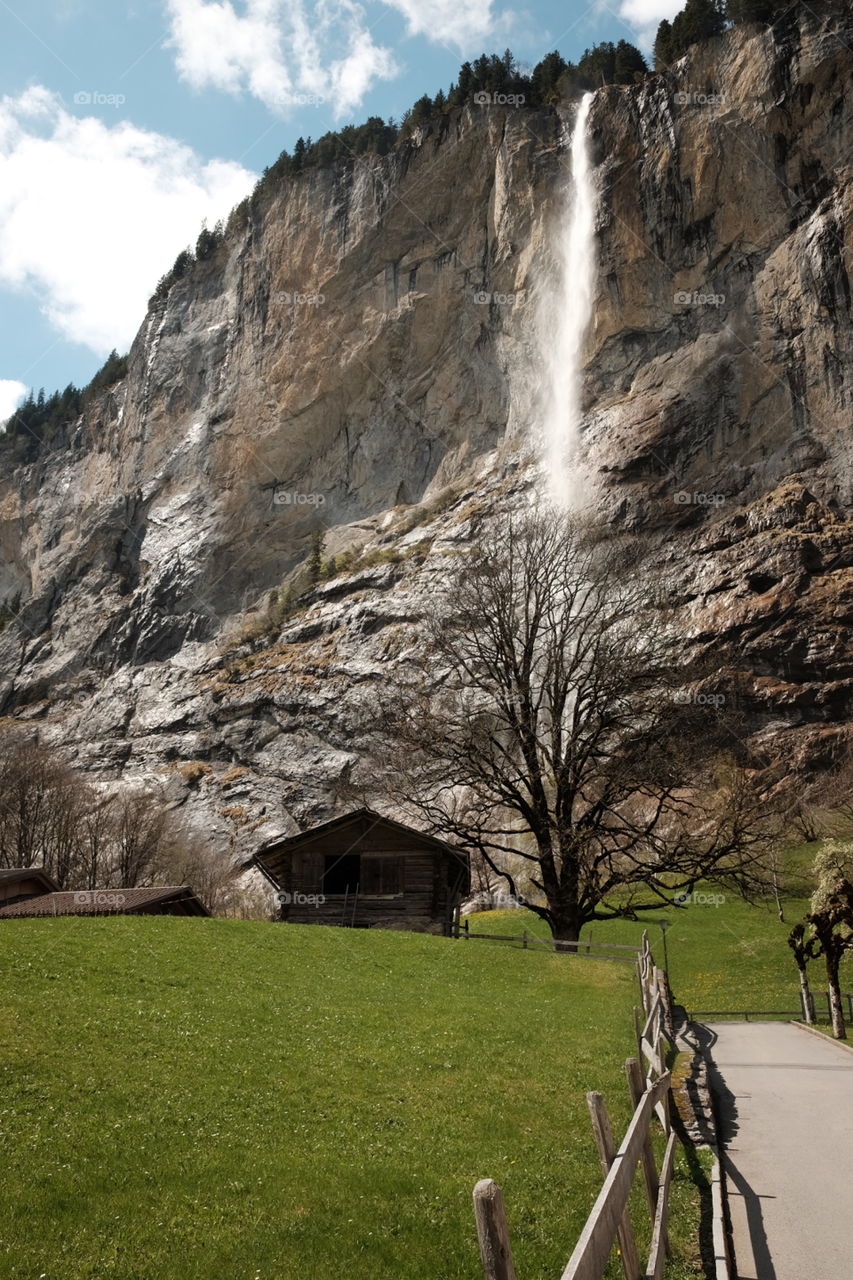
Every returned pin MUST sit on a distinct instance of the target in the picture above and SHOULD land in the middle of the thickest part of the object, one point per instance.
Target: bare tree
(42, 802)
(548, 703)
(29, 774)
(831, 796)
(139, 830)
(96, 840)
(220, 884)
(86, 838)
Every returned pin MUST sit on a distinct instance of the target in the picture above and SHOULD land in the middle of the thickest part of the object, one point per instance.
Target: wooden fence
(531, 941)
(609, 1222)
(814, 1014)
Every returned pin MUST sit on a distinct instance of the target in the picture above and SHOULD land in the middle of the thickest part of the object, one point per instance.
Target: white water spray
(567, 321)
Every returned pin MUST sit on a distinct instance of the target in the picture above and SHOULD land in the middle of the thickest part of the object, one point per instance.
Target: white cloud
(92, 213)
(280, 51)
(11, 395)
(645, 15)
(450, 21)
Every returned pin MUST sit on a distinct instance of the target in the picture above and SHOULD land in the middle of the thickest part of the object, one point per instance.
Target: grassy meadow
(723, 953)
(192, 1099)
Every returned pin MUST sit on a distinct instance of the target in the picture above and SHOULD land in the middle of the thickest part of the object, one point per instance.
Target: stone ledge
(813, 1031)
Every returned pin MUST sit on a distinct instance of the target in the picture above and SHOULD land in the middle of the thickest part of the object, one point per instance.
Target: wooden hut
(366, 871)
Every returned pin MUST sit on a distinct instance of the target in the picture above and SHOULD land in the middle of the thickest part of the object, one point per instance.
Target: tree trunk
(838, 1028)
(806, 996)
(565, 931)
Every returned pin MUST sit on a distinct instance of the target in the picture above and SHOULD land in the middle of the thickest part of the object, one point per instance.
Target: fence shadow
(726, 1117)
(702, 1182)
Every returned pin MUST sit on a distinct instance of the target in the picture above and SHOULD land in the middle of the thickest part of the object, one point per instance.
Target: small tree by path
(833, 932)
(828, 932)
(800, 945)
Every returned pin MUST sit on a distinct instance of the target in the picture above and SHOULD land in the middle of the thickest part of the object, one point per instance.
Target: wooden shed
(366, 871)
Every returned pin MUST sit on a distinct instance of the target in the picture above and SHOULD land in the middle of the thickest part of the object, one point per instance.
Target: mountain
(363, 355)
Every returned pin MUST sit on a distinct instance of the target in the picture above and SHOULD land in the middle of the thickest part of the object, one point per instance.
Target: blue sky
(124, 125)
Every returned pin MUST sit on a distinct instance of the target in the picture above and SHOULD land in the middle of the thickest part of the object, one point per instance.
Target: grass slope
(224, 1100)
(723, 953)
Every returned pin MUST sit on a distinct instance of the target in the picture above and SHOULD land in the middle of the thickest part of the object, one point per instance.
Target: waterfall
(567, 314)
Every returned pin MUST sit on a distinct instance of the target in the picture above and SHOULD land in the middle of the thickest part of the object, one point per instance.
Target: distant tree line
(206, 247)
(551, 80)
(494, 74)
(703, 19)
(40, 422)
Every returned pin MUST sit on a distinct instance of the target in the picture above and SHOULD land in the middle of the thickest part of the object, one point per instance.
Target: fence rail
(649, 1084)
(529, 941)
(697, 1015)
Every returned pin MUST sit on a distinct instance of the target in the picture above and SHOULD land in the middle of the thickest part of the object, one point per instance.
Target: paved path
(785, 1104)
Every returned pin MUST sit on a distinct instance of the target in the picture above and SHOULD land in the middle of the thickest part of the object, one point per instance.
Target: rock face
(363, 356)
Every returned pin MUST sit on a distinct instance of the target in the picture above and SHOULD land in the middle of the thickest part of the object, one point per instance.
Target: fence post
(492, 1231)
(638, 1033)
(607, 1150)
(650, 1173)
(666, 1000)
(663, 1105)
(524, 936)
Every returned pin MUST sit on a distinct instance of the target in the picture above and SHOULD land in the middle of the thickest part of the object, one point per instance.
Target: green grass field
(727, 956)
(238, 1101)
(722, 955)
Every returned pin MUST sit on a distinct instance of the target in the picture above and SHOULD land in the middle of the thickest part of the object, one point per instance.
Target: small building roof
(356, 825)
(13, 875)
(104, 902)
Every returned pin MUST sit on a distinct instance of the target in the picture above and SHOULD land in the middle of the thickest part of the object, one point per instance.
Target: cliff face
(363, 356)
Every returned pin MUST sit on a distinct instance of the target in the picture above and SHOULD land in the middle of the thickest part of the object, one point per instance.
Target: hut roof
(355, 826)
(100, 902)
(13, 875)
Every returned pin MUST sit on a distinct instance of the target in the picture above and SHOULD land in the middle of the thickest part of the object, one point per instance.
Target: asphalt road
(785, 1106)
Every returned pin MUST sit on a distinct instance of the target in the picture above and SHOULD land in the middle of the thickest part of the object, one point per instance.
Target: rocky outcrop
(363, 356)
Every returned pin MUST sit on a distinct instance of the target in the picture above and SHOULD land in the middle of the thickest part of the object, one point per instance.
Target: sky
(125, 126)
